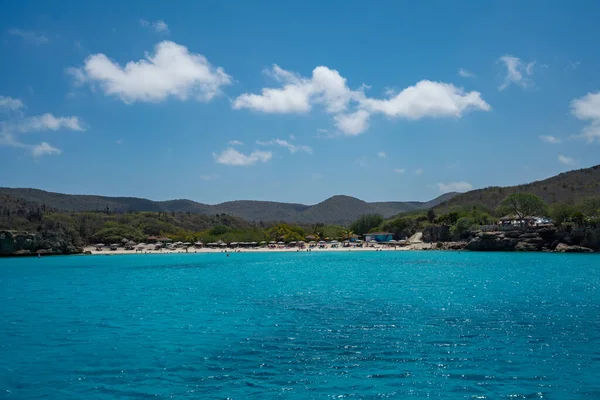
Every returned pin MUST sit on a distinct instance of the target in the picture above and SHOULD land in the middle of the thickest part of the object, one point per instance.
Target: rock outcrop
(13, 243)
(436, 233)
(533, 239)
(565, 248)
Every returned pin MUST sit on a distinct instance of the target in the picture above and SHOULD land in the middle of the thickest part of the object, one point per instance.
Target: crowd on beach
(128, 247)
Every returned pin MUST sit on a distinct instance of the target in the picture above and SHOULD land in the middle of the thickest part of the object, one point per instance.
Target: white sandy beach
(192, 250)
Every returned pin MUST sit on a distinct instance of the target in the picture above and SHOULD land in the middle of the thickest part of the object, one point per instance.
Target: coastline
(89, 250)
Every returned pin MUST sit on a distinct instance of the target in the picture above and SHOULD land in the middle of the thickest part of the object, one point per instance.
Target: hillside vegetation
(338, 210)
(566, 188)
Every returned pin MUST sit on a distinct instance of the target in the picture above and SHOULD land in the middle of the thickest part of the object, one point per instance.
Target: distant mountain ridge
(339, 210)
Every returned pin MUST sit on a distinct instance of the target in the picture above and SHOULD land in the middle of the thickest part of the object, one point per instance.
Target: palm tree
(348, 234)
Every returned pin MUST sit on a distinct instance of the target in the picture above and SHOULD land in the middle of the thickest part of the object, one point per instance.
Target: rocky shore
(523, 239)
(13, 243)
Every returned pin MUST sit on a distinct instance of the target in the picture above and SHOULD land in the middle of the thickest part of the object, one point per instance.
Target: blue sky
(283, 101)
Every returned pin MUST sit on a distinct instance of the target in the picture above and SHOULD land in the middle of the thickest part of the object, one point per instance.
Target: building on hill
(379, 237)
(513, 219)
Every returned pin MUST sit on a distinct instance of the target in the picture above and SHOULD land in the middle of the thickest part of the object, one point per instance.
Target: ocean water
(442, 325)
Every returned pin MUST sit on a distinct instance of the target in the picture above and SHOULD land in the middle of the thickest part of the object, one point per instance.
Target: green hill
(338, 210)
(568, 187)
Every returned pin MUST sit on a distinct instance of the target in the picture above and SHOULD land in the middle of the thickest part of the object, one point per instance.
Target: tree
(578, 218)
(523, 205)
(400, 227)
(219, 230)
(561, 213)
(591, 207)
(449, 219)
(430, 215)
(285, 232)
(365, 223)
(347, 234)
(462, 226)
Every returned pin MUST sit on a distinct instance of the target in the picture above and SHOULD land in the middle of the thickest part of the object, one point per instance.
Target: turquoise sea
(443, 325)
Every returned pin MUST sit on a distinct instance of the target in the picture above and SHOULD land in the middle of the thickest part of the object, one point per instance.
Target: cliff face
(22, 243)
(536, 239)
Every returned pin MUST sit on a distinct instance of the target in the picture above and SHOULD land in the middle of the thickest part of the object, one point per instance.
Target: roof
(378, 233)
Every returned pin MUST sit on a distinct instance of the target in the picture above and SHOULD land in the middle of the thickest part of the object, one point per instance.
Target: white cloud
(171, 71)
(419, 171)
(454, 187)
(465, 74)
(325, 134)
(236, 143)
(232, 157)
(352, 124)
(49, 122)
(10, 130)
(362, 161)
(159, 26)
(550, 139)
(209, 177)
(43, 149)
(399, 170)
(587, 108)
(428, 99)
(284, 143)
(29, 36)
(566, 160)
(517, 72)
(572, 65)
(10, 104)
(381, 154)
(352, 108)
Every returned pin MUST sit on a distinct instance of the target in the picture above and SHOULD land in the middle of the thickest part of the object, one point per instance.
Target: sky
(296, 101)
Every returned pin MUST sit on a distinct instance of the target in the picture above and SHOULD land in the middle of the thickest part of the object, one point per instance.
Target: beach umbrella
(100, 245)
(272, 242)
(198, 244)
(124, 240)
(292, 242)
(280, 243)
(334, 241)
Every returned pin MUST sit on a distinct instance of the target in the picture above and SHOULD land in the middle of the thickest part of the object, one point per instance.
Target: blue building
(379, 237)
